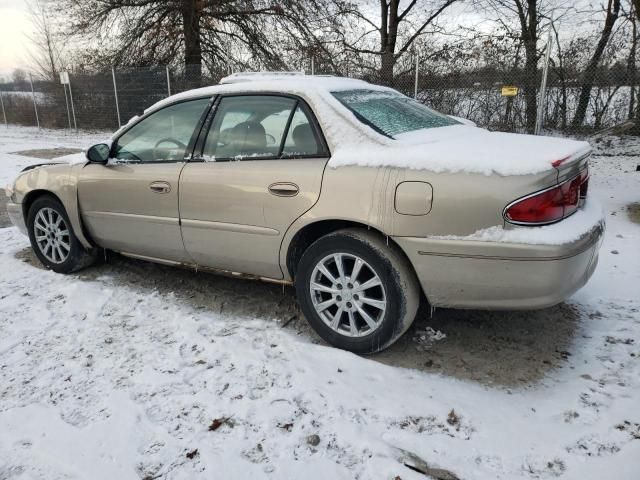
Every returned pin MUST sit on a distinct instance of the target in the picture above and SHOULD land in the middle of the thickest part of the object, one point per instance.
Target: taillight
(584, 186)
(549, 205)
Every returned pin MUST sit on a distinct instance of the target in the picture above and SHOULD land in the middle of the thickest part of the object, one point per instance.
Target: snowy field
(137, 371)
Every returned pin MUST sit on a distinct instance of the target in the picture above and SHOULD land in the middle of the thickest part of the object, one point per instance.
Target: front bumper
(506, 276)
(16, 216)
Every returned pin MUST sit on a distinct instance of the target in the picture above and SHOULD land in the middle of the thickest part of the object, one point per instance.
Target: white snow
(15, 139)
(104, 379)
(463, 148)
(568, 230)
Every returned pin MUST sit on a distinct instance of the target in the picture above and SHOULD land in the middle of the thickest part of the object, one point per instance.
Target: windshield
(391, 113)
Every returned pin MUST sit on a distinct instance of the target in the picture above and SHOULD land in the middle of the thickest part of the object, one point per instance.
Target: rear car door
(130, 204)
(257, 167)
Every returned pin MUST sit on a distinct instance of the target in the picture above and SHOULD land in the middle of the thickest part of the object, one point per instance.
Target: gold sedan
(366, 200)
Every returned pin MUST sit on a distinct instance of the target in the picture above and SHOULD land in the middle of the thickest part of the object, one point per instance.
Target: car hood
(464, 148)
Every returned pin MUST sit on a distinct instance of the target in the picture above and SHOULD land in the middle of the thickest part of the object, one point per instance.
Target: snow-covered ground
(16, 139)
(104, 376)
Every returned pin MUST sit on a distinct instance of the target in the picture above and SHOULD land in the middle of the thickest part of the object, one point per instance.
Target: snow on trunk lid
(465, 149)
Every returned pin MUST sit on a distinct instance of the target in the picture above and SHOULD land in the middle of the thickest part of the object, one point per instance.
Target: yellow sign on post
(509, 91)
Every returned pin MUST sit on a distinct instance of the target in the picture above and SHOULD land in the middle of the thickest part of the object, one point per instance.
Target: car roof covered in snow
(285, 82)
(455, 148)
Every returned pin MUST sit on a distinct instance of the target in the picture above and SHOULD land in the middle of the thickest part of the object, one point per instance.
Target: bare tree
(559, 69)
(632, 69)
(611, 16)
(527, 14)
(144, 32)
(636, 12)
(19, 76)
(396, 27)
(46, 41)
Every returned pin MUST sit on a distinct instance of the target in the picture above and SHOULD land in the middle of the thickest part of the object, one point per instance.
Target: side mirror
(99, 153)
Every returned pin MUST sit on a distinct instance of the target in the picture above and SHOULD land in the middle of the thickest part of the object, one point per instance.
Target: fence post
(4, 114)
(415, 88)
(73, 110)
(168, 80)
(543, 85)
(33, 95)
(115, 93)
(313, 67)
(66, 102)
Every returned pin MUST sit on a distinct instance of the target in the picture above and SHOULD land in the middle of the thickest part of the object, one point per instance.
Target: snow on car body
(357, 194)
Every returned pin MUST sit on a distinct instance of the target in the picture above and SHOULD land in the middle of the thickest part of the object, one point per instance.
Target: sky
(14, 28)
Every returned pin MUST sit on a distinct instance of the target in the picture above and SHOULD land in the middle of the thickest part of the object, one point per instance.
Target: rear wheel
(358, 293)
(52, 237)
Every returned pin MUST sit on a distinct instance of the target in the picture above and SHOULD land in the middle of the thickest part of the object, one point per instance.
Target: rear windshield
(391, 113)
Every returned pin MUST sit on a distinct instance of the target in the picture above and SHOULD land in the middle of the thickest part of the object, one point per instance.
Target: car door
(258, 166)
(130, 204)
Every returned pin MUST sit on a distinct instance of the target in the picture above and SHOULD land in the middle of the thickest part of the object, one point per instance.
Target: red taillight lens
(550, 205)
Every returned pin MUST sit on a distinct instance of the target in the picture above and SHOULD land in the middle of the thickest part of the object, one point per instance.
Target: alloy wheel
(52, 235)
(348, 294)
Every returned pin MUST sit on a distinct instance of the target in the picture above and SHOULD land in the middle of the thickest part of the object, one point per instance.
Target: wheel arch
(72, 212)
(311, 232)
(32, 196)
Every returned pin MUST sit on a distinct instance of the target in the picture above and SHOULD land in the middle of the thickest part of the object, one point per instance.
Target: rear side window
(300, 140)
(391, 113)
(162, 136)
(260, 127)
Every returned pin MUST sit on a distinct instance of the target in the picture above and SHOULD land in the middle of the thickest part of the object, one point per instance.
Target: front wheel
(52, 237)
(358, 293)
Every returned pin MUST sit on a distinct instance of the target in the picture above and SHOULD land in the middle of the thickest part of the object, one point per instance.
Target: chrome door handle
(284, 189)
(160, 187)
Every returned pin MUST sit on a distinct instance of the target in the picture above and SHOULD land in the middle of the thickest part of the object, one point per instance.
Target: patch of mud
(27, 255)
(47, 153)
(510, 349)
(633, 210)
(506, 349)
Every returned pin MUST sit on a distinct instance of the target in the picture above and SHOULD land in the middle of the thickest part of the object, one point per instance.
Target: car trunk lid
(475, 150)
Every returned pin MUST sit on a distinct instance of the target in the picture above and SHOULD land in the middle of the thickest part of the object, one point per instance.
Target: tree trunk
(386, 69)
(529, 36)
(632, 69)
(191, 12)
(507, 113)
(388, 38)
(636, 129)
(592, 69)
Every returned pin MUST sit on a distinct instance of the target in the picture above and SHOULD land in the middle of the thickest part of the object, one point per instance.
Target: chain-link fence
(98, 100)
(491, 99)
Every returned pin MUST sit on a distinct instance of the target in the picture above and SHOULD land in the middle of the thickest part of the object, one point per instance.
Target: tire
(60, 250)
(391, 307)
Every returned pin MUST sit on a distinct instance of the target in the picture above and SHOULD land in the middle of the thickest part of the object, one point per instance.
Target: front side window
(390, 112)
(259, 127)
(163, 135)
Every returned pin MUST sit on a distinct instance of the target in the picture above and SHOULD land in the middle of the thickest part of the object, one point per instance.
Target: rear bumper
(16, 216)
(507, 276)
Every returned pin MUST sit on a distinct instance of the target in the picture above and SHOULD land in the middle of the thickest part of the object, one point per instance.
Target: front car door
(130, 204)
(261, 161)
